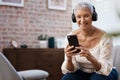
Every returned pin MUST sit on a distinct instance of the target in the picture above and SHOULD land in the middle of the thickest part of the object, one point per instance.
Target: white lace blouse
(102, 52)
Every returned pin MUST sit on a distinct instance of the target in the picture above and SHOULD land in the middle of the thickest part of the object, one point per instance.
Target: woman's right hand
(69, 51)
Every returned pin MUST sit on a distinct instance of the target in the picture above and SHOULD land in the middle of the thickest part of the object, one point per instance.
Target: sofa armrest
(116, 58)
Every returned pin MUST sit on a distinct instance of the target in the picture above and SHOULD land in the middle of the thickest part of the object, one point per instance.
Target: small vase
(43, 43)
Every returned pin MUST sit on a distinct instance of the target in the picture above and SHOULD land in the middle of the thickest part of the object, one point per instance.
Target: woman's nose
(82, 20)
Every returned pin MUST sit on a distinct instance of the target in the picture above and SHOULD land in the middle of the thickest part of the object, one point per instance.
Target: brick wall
(25, 24)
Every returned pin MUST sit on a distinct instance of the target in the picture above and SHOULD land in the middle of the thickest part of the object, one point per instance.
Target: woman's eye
(78, 16)
(86, 15)
(83, 16)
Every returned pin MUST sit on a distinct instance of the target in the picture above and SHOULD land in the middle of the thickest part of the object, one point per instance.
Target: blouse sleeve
(105, 57)
(63, 67)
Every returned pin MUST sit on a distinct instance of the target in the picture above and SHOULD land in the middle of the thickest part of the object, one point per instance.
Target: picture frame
(17, 3)
(57, 4)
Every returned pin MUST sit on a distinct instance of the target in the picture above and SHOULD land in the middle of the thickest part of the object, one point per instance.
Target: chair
(8, 72)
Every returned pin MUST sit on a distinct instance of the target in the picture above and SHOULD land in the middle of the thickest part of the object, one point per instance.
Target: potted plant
(43, 41)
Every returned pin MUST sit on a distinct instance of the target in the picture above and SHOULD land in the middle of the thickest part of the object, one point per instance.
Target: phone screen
(73, 41)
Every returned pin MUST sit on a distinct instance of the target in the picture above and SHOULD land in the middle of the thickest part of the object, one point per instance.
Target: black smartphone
(73, 41)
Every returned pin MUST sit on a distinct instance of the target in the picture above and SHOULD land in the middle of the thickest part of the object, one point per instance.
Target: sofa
(8, 72)
(48, 59)
(116, 57)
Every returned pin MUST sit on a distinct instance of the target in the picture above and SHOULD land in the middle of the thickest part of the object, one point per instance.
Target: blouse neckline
(99, 41)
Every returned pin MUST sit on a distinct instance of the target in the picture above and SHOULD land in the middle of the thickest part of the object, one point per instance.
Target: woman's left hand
(85, 53)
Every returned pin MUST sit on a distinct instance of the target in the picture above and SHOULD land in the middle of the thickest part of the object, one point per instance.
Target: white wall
(108, 18)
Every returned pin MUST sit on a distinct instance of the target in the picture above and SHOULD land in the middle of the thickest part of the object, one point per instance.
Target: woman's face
(83, 18)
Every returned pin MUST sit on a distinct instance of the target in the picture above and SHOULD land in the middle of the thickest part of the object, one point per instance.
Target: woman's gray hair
(84, 5)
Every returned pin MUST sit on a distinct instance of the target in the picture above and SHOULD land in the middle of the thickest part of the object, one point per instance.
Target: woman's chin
(83, 27)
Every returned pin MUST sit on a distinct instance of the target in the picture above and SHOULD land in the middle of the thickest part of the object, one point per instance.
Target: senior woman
(94, 61)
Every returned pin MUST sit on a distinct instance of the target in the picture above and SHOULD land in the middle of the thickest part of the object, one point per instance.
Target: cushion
(33, 74)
